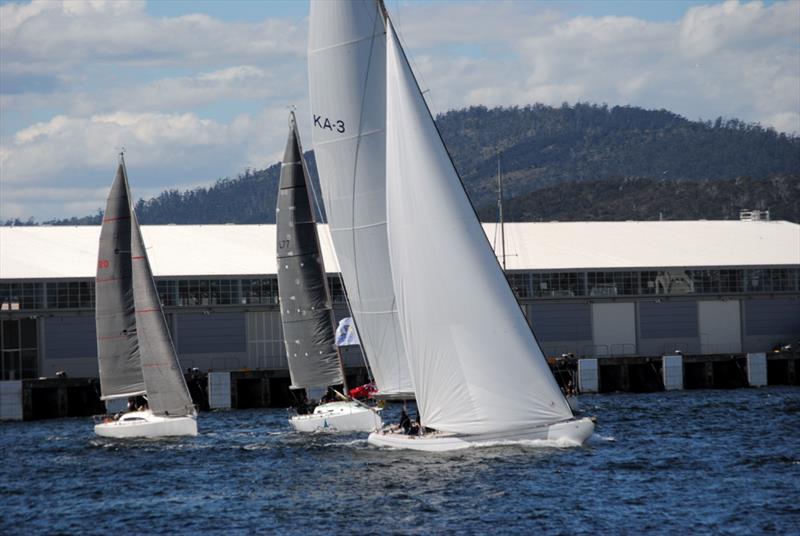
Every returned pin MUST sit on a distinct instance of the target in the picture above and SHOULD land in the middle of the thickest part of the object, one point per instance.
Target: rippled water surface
(700, 462)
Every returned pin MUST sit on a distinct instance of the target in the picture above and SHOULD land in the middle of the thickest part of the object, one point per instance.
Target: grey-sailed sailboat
(135, 353)
(479, 374)
(306, 307)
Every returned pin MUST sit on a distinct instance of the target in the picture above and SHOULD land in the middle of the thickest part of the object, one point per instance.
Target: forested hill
(591, 163)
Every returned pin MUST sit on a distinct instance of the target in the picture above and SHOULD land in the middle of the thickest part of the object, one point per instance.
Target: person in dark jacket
(405, 422)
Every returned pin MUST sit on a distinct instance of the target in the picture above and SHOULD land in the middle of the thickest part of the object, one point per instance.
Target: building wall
(69, 344)
(561, 328)
(666, 326)
(770, 322)
(265, 348)
(249, 334)
(211, 341)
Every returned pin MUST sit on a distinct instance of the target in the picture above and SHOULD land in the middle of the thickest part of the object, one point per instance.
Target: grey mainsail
(117, 343)
(305, 302)
(167, 393)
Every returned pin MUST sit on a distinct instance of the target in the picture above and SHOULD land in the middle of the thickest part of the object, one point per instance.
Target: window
(613, 283)
(21, 296)
(337, 290)
(520, 284)
(18, 349)
(561, 284)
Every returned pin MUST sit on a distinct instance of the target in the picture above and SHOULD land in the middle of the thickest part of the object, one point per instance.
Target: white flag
(346, 334)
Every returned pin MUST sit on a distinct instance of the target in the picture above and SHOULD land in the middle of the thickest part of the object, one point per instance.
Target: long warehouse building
(593, 289)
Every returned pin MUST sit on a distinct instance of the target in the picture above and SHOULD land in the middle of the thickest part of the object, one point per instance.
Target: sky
(200, 90)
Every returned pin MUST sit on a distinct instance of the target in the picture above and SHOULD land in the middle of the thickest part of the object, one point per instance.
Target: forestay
(476, 365)
(347, 84)
(117, 344)
(305, 302)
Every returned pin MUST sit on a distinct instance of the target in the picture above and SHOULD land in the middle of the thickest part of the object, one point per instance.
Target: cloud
(730, 59)
(162, 151)
(194, 98)
(59, 36)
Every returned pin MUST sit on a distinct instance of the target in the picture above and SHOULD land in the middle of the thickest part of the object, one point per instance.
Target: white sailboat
(478, 372)
(306, 306)
(347, 86)
(135, 353)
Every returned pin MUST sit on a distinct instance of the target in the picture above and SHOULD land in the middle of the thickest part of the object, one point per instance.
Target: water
(699, 462)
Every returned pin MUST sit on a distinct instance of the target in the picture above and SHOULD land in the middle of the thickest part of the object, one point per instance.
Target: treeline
(578, 155)
(653, 199)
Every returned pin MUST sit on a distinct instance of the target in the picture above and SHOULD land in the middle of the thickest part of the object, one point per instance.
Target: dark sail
(167, 393)
(117, 343)
(306, 309)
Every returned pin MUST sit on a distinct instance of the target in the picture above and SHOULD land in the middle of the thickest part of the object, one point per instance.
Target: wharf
(45, 398)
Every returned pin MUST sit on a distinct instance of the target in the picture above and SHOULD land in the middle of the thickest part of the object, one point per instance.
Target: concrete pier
(672, 372)
(45, 398)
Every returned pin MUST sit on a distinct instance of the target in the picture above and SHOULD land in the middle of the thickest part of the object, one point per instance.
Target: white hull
(145, 424)
(338, 417)
(568, 433)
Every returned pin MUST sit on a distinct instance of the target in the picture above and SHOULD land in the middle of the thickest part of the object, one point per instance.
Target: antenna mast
(500, 211)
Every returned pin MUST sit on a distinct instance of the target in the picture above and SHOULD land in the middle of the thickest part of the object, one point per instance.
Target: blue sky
(196, 91)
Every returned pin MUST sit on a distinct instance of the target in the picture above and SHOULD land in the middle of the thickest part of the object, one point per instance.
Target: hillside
(652, 199)
(590, 161)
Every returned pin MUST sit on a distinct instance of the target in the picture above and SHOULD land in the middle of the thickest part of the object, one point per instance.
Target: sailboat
(347, 89)
(479, 374)
(306, 306)
(135, 353)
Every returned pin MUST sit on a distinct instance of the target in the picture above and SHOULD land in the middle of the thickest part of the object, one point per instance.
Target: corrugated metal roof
(230, 250)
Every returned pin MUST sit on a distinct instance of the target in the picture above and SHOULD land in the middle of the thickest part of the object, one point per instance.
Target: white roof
(239, 250)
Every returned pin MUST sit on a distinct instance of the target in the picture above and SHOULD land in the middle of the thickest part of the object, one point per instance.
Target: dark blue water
(699, 462)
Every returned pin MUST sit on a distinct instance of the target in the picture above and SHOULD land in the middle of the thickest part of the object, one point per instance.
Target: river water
(687, 462)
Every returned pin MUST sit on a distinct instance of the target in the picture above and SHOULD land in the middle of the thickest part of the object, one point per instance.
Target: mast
(500, 209)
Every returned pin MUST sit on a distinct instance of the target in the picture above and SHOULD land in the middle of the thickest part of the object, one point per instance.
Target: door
(720, 326)
(614, 328)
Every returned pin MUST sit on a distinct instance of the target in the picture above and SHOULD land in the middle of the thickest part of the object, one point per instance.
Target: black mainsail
(305, 301)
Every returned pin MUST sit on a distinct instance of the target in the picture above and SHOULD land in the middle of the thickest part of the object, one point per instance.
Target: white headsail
(476, 366)
(347, 80)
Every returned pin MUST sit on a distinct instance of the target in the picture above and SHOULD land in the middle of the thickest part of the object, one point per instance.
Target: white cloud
(194, 98)
(731, 59)
(163, 151)
(59, 36)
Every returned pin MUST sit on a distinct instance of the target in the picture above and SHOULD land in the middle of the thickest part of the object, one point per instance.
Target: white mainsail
(347, 82)
(476, 366)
